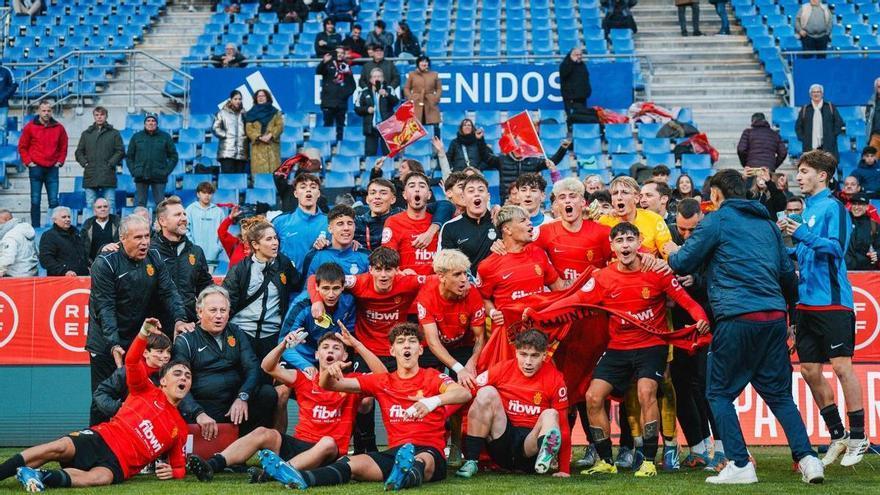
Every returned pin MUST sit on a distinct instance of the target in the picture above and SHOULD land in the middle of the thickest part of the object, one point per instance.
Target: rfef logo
(69, 320)
(8, 319)
(867, 312)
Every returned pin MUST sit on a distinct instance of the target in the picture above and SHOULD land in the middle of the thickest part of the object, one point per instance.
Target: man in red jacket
(43, 149)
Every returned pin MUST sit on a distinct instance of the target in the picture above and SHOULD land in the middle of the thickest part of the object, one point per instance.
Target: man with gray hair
(231, 57)
(127, 286)
(99, 230)
(812, 25)
(18, 255)
(61, 247)
(819, 123)
(375, 104)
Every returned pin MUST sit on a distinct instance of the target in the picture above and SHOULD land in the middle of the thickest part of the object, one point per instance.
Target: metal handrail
(789, 55)
(5, 20)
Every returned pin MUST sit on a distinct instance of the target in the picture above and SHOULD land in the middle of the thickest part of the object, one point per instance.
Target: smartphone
(780, 215)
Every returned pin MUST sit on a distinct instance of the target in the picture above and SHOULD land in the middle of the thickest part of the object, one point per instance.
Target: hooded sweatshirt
(18, 254)
(203, 225)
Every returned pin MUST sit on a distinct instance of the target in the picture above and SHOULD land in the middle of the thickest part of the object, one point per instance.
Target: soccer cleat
(695, 461)
(671, 459)
(277, 469)
(30, 479)
(548, 451)
(732, 475)
(257, 475)
(468, 469)
(589, 459)
(717, 463)
(403, 464)
(601, 467)
(855, 450)
(835, 450)
(199, 467)
(812, 470)
(454, 459)
(646, 470)
(624, 458)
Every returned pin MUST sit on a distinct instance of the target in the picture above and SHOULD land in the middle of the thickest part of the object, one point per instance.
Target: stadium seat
(191, 181)
(587, 146)
(699, 175)
(553, 131)
(654, 159)
(349, 164)
(586, 130)
(618, 131)
(323, 135)
(692, 161)
(226, 196)
(264, 181)
(255, 195)
(338, 179)
(232, 181)
(192, 136)
(170, 123)
(75, 200)
(622, 145)
(655, 146)
(648, 130)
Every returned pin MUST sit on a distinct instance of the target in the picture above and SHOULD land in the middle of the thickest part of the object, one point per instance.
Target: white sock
(719, 447)
(699, 449)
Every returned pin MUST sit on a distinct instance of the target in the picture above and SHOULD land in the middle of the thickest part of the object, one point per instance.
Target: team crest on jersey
(150, 270)
(230, 341)
(462, 318)
(590, 285)
(397, 299)
(422, 311)
(492, 235)
(283, 279)
(353, 269)
(590, 255)
(192, 259)
(386, 235)
(811, 221)
(646, 293)
(537, 399)
(538, 271)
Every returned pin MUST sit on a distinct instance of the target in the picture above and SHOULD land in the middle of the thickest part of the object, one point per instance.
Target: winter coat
(803, 16)
(761, 146)
(574, 80)
(265, 157)
(832, 126)
(337, 83)
(283, 7)
(229, 127)
(864, 237)
(234, 247)
(871, 114)
(385, 108)
(509, 169)
(281, 273)
(385, 39)
(338, 7)
(468, 151)
(62, 251)
(7, 86)
(189, 271)
(86, 234)
(99, 151)
(333, 40)
(411, 47)
(868, 176)
(739, 281)
(44, 145)
(151, 157)
(113, 391)
(389, 70)
(424, 90)
(18, 254)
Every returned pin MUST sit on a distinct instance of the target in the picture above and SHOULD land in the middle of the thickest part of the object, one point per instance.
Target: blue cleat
(30, 479)
(403, 464)
(548, 451)
(624, 458)
(276, 468)
(671, 460)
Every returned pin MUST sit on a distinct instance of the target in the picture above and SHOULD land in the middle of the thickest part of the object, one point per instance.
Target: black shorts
(359, 365)
(508, 450)
(91, 451)
(385, 461)
(620, 368)
(822, 335)
(429, 360)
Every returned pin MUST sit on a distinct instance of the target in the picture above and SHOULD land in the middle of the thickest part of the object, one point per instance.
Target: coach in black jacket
(123, 285)
(226, 374)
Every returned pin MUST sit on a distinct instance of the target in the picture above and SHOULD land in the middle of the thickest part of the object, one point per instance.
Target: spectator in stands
(655, 196)
(231, 58)
(113, 391)
(61, 248)
(781, 181)
(151, 158)
(375, 104)
(204, 219)
(292, 11)
(871, 112)
(7, 89)
(764, 190)
(18, 254)
(327, 40)
(99, 151)
(868, 172)
(99, 230)
(28, 7)
(226, 385)
(228, 125)
(389, 70)
(342, 10)
(819, 123)
(337, 86)
(468, 148)
(812, 25)
(619, 17)
(124, 284)
(423, 88)
(264, 125)
(510, 167)
(593, 183)
(864, 242)
(695, 16)
(354, 43)
(43, 149)
(721, 10)
(574, 81)
(684, 188)
(380, 36)
(660, 173)
(794, 206)
(760, 145)
(406, 45)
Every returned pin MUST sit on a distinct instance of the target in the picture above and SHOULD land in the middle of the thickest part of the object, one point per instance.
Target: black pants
(688, 374)
(101, 367)
(334, 116)
(695, 17)
(232, 166)
(262, 347)
(261, 409)
(374, 145)
(140, 193)
(814, 44)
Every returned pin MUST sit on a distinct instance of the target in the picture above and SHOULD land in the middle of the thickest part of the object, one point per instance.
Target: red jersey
(399, 232)
(147, 425)
(454, 318)
(377, 312)
(525, 398)
(324, 413)
(504, 279)
(643, 296)
(393, 394)
(573, 252)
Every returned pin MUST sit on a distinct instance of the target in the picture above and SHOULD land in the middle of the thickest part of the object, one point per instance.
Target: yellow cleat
(646, 470)
(602, 467)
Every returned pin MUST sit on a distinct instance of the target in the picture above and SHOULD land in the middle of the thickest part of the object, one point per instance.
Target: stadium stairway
(719, 77)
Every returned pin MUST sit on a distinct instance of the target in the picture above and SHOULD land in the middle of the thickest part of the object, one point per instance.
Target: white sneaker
(836, 448)
(812, 470)
(732, 475)
(855, 450)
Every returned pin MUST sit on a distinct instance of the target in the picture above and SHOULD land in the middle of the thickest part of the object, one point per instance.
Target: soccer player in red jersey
(520, 413)
(410, 398)
(522, 271)
(147, 426)
(632, 351)
(402, 230)
(326, 418)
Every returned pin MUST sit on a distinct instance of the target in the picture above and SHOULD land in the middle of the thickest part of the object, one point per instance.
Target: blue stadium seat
(648, 130)
(655, 145)
(170, 122)
(288, 148)
(587, 146)
(699, 175)
(780, 115)
(232, 181)
(191, 181)
(618, 131)
(323, 135)
(75, 200)
(253, 196)
(350, 164)
(624, 161)
(264, 181)
(189, 135)
(586, 130)
(695, 161)
(553, 131)
(654, 159)
(621, 145)
(486, 117)
(350, 148)
(338, 179)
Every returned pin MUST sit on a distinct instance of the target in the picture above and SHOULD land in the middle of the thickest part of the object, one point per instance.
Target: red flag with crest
(401, 129)
(519, 137)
